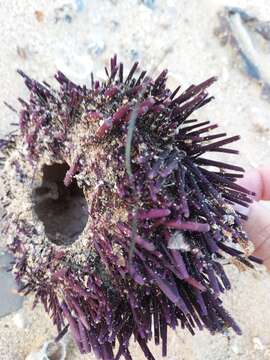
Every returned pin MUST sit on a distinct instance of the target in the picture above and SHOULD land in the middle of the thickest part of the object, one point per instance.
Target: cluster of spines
(159, 285)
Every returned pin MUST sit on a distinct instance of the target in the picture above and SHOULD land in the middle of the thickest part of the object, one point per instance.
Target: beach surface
(79, 37)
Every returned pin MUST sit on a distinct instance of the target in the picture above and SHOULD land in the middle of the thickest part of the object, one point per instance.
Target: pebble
(257, 344)
(19, 320)
(149, 3)
(134, 54)
(49, 351)
(235, 349)
(64, 13)
(96, 46)
(80, 5)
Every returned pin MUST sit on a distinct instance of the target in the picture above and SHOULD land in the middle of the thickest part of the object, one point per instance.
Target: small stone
(178, 241)
(257, 344)
(19, 320)
(79, 5)
(149, 3)
(23, 52)
(64, 13)
(39, 15)
(114, 25)
(134, 55)
(235, 348)
(49, 351)
(96, 46)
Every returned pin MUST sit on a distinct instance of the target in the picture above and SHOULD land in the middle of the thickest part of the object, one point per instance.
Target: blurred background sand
(79, 36)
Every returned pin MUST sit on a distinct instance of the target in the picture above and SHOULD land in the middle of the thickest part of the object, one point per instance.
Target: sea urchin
(116, 221)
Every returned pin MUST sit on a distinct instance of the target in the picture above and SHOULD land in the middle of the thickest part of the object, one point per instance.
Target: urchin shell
(159, 223)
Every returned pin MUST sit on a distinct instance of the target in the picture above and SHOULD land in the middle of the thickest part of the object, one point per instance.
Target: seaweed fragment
(250, 39)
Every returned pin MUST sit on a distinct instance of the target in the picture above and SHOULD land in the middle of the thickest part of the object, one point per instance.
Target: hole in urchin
(62, 210)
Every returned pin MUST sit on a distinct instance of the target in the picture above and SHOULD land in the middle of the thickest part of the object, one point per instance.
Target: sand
(39, 37)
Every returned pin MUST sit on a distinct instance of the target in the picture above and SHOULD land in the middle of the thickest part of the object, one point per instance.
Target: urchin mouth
(62, 210)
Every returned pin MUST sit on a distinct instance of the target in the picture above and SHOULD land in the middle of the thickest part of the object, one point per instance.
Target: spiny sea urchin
(115, 219)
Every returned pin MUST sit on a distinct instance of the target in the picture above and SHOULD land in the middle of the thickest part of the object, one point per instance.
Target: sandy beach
(78, 37)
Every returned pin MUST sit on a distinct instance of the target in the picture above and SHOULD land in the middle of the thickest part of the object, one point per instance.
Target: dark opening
(63, 210)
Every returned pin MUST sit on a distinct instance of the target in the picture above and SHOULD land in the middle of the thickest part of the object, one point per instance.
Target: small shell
(49, 351)
(178, 242)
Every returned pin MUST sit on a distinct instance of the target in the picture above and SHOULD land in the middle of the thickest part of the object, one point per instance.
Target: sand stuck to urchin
(115, 219)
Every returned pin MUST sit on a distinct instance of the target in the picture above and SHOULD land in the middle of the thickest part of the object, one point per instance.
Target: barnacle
(117, 223)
